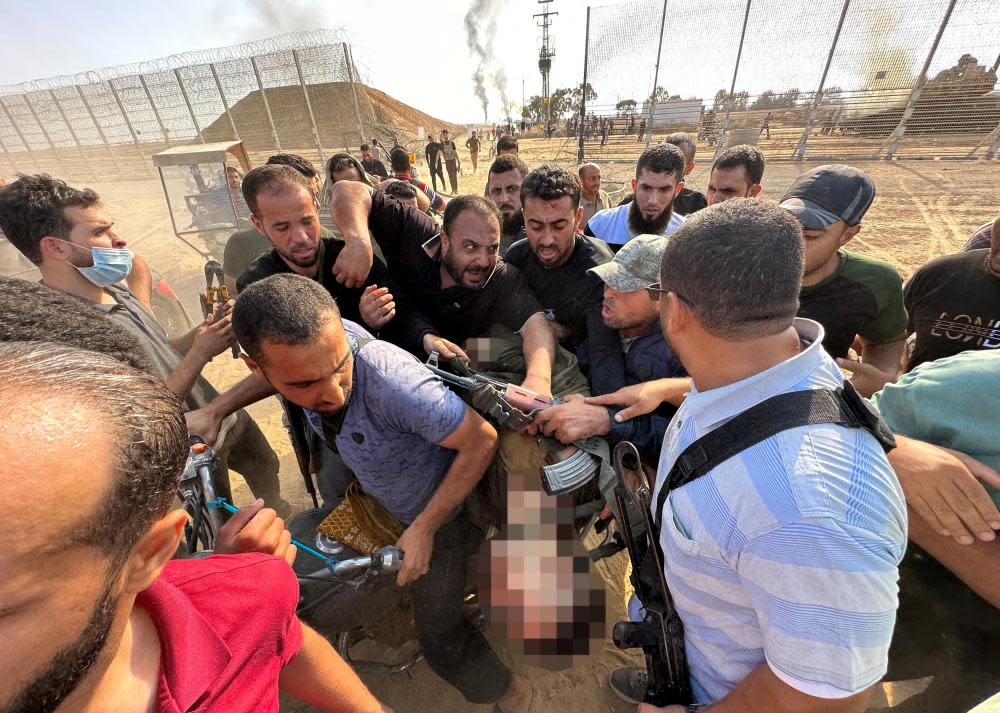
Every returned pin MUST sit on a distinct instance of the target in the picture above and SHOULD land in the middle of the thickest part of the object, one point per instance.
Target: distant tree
(833, 95)
(626, 107)
(765, 100)
(576, 95)
(719, 104)
(660, 94)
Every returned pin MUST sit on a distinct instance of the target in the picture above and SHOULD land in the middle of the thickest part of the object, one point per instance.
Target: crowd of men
(655, 321)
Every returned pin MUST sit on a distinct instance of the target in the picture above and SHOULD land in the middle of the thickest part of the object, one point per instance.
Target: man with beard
(97, 616)
(659, 177)
(285, 211)
(413, 445)
(555, 259)
(503, 188)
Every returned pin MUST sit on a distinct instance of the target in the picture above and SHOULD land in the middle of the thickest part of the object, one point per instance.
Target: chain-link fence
(853, 79)
(298, 92)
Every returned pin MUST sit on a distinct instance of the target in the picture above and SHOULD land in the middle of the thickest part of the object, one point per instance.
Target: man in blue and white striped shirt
(782, 560)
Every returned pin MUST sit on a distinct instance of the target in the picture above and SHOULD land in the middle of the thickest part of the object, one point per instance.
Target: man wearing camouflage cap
(627, 309)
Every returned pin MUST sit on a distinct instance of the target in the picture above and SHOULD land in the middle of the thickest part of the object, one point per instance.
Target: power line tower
(545, 54)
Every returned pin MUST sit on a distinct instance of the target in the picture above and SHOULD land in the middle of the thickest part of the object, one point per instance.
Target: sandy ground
(922, 210)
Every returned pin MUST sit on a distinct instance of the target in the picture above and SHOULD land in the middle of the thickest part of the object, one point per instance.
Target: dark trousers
(454, 648)
(453, 175)
(247, 451)
(435, 172)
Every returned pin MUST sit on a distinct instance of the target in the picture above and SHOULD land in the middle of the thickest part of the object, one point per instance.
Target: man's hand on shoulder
(255, 528)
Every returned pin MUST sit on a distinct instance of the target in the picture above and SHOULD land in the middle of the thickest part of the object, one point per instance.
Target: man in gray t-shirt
(412, 444)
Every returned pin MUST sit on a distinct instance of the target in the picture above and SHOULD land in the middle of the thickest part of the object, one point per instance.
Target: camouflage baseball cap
(635, 266)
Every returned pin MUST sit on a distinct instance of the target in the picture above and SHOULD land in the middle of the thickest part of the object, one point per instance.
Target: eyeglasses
(654, 291)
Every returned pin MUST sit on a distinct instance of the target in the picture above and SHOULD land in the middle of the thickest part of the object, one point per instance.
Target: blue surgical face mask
(111, 265)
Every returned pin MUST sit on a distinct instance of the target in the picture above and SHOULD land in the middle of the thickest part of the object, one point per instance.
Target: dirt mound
(336, 107)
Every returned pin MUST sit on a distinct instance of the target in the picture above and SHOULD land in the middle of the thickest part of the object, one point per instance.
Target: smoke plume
(480, 28)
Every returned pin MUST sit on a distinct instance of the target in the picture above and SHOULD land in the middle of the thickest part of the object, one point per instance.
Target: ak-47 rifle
(515, 407)
(660, 634)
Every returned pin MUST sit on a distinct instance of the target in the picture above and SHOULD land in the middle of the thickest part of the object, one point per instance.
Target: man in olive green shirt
(593, 198)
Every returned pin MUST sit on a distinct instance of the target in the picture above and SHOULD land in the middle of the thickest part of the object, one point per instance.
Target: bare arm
(320, 677)
(643, 398)
(877, 365)
(539, 347)
(350, 204)
(205, 422)
(474, 443)
(199, 346)
(763, 692)
(140, 282)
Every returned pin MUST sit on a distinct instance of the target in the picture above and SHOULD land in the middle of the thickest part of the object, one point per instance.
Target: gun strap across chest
(841, 407)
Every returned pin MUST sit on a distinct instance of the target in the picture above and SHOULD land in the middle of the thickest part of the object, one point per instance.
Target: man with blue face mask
(65, 232)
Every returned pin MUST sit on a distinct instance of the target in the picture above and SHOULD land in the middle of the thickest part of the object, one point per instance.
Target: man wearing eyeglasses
(631, 310)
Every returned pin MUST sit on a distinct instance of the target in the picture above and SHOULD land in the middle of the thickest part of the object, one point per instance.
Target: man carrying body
(593, 198)
(432, 152)
(555, 260)
(106, 621)
(736, 173)
(66, 234)
(627, 309)
(503, 188)
(851, 295)
(473, 144)
(450, 153)
(659, 177)
(953, 303)
(413, 445)
(787, 589)
(372, 165)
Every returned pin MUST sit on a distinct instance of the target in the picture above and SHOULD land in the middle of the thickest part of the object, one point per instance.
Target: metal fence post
(800, 150)
(309, 108)
(45, 133)
(656, 78)
(724, 131)
(100, 132)
(267, 106)
(900, 131)
(128, 124)
(583, 94)
(349, 59)
(187, 101)
(156, 113)
(72, 133)
(225, 103)
(17, 130)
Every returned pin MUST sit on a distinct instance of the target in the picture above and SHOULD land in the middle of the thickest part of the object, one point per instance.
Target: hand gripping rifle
(660, 634)
(515, 408)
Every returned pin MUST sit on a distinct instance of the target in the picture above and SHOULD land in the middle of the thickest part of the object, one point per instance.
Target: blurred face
(654, 200)
(470, 248)
(350, 173)
(821, 247)
(629, 312)
(317, 376)
(58, 602)
(366, 155)
(551, 228)
(726, 183)
(290, 221)
(591, 182)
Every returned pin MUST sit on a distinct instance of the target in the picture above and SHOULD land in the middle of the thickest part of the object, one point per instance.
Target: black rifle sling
(841, 407)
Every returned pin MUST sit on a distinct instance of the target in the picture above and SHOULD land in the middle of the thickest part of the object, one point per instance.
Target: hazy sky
(418, 52)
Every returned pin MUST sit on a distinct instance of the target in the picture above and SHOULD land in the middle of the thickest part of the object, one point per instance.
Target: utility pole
(545, 55)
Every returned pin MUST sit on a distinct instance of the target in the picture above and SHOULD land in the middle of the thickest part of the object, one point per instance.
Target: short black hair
(550, 183)
(749, 157)
(33, 312)
(34, 207)
(401, 189)
(661, 158)
(685, 142)
(366, 147)
(272, 178)
(146, 421)
(506, 143)
(300, 164)
(281, 309)
(459, 204)
(399, 159)
(739, 263)
(505, 163)
(336, 164)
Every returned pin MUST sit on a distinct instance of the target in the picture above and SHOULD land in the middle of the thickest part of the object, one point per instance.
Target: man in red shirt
(94, 615)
